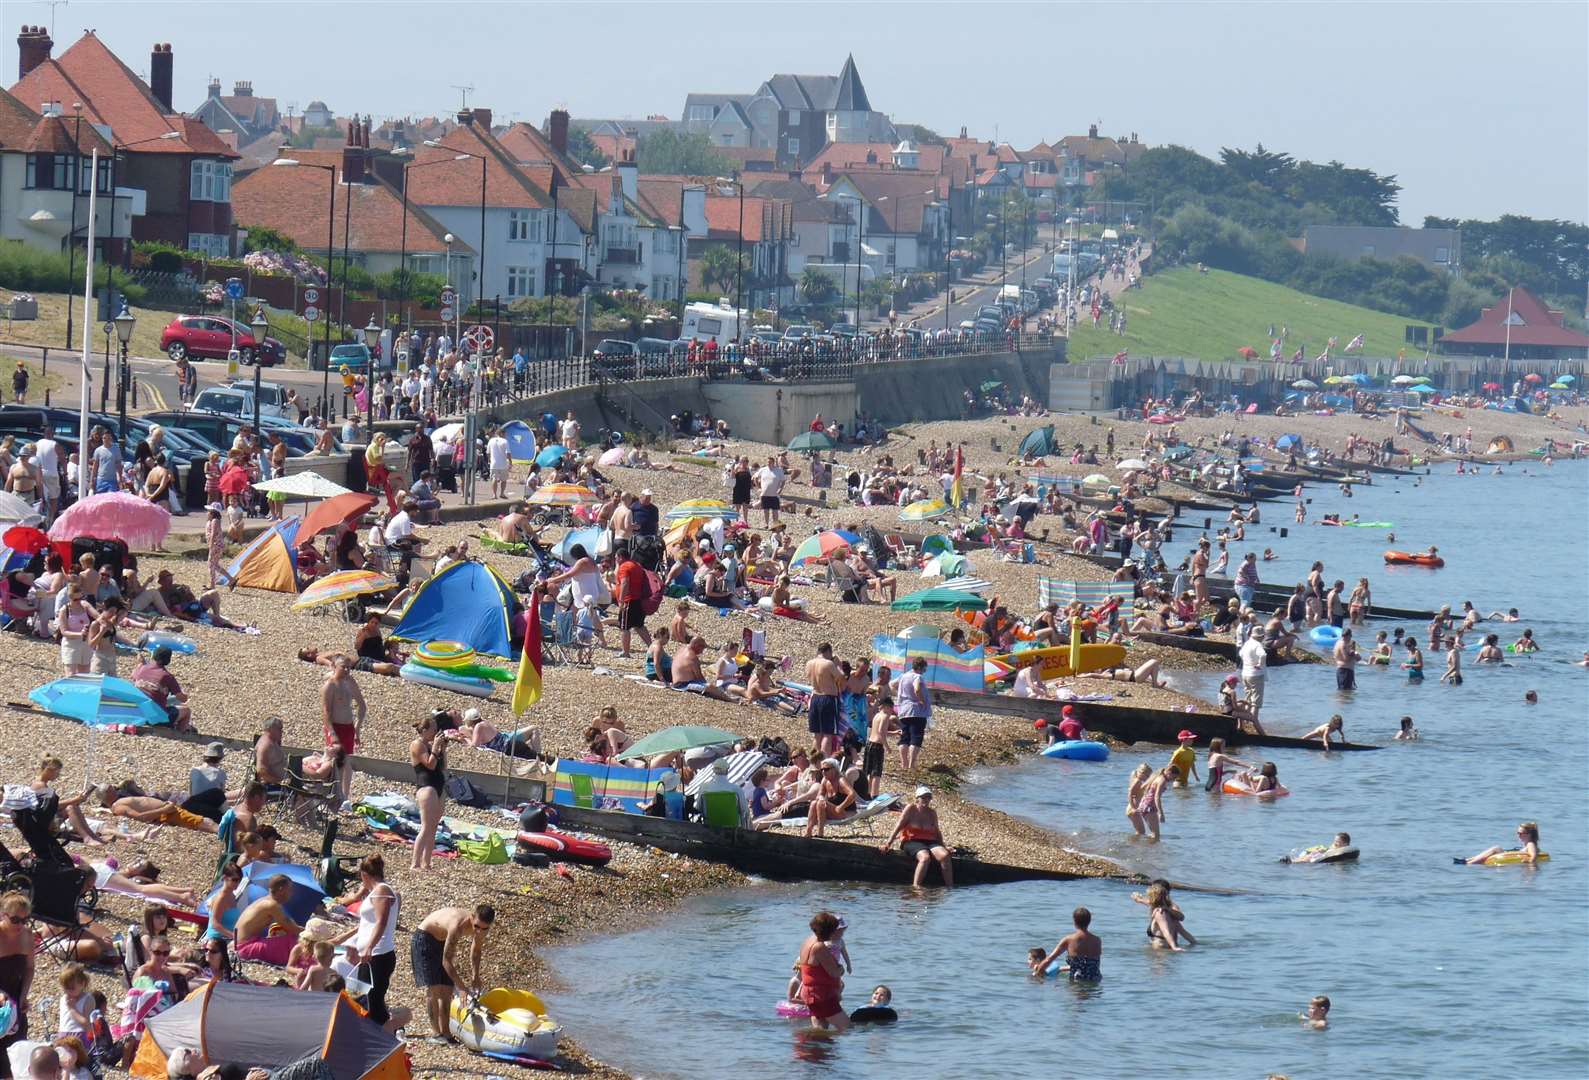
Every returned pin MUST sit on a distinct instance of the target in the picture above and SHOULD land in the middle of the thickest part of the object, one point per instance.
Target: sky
(1479, 109)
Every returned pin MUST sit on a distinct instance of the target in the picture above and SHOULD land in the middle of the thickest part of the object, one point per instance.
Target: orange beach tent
(271, 1026)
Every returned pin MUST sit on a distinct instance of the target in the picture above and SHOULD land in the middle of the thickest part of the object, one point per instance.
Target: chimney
(962, 131)
(215, 87)
(465, 117)
(1092, 131)
(33, 48)
(629, 172)
(871, 157)
(557, 130)
(364, 135)
(242, 89)
(353, 156)
(160, 61)
(482, 118)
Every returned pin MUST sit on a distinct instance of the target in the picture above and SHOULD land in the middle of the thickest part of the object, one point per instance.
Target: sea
(1432, 968)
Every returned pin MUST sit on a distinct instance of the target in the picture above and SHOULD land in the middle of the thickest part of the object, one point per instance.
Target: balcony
(47, 214)
(621, 256)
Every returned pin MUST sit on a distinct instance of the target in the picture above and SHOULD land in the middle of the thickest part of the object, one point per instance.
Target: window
(211, 244)
(1442, 254)
(521, 281)
(210, 181)
(702, 113)
(520, 225)
(794, 147)
(794, 116)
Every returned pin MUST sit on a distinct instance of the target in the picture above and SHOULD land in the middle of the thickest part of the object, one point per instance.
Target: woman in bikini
(1165, 921)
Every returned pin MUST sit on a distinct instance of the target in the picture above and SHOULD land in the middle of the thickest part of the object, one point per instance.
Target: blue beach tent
(467, 602)
(521, 440)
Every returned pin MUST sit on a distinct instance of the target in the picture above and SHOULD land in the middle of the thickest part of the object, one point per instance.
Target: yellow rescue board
(1056, 659)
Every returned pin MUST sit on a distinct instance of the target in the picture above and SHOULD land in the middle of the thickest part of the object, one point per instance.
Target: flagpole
(83, 452)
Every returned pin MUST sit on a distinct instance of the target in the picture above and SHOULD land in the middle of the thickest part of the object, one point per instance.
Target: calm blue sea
(1433, 969)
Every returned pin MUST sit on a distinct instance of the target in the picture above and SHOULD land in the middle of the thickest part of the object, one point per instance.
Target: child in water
(1318, 1015)
(1408, 733)
(1381, 653)
(1453, 673)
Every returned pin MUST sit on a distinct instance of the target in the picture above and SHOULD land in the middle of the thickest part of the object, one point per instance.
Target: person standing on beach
(1200, 572)
(913, 700)
(342, 712)
(826, 680)
(1254, 661)
(433, 955)
(1346, 658)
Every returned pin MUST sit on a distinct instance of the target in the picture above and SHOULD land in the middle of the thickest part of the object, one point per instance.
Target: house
(792, 115)
(1082, 157)
(248, 116)
(1437, 248)
(764, 239)
(1519, 325)
(822, 230)
(317, 114)
(175, 171)
(616, 138)
(905, 224)
(40, 156)
(369, 212)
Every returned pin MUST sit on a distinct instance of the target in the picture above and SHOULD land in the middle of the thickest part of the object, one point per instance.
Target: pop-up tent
(467, 602)
(270, 561)
(1039, 443)
(521, 440)
(268, 1027)
(306, 896)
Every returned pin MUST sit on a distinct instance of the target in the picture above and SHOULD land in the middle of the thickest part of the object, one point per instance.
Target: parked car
(660, 355)
(990, 311)
(353, 355)
(272, 399)
(797, 332)
(210, 337)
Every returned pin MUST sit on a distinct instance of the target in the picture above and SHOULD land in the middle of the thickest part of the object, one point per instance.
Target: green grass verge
(1210, 316)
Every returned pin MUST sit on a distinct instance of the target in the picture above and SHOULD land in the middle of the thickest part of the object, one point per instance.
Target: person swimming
(1337, 850)
(876, 1010)
(1527, 833)
(1408, 732)
(1318, 1015)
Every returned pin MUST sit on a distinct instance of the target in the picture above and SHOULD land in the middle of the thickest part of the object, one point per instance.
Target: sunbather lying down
(311, 655)
(470, 729)
(150, 809)
(1148, 673)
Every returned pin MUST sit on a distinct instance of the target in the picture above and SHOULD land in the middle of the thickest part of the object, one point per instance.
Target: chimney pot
(482, 118)
(1092, 131)
(557, 130)
(160, 68)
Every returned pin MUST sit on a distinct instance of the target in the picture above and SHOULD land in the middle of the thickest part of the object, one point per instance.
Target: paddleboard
(1056, 659)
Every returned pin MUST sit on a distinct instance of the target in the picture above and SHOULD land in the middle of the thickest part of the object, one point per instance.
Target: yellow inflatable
(504, 1021)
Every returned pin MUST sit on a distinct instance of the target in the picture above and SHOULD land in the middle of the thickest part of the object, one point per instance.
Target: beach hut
(271, 561)
(268, 1027)
(467, 602)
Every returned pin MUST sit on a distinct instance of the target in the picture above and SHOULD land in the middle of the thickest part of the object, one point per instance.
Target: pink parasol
(114, 515)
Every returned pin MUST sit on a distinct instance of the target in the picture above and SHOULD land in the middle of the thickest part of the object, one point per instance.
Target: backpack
(492, 850)
(460, 790)
(652, 598)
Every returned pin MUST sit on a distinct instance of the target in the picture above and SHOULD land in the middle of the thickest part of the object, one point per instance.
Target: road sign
(481, 338)
(446, 313)
(311, 296)
(449, 296)
(311, 313)
(234, 288)
(110, 328)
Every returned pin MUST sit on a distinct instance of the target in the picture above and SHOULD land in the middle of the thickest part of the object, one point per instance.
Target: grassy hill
(1210, 316)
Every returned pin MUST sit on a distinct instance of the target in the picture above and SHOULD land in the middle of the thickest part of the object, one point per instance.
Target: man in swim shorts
(342, 710)
(826, 680)
(433, 954)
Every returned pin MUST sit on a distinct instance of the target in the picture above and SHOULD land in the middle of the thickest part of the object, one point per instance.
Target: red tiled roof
(722, 217)
(660, 198)
(898, 199)
(112, 94)
(1039, 181)
(964, 148)
(17, 122)
(53, 135)
(1532, 324)
(458, 183)
(744, 155)
(528, 146)
(294, 203)
(929, 159)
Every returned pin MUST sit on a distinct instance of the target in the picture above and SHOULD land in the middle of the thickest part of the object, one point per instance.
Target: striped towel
(741, 767)
(1092, 593)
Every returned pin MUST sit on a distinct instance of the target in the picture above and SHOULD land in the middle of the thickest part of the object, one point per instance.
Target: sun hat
(923, 790)
(1186, 733)
(215, 507)
(215, 750)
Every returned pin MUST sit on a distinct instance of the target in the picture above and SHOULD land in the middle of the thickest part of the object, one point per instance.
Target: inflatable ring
(1512, 858)
(444, 654)
(1325, 635)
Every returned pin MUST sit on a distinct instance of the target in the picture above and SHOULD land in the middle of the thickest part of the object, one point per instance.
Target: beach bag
(492, 851)
(460, 790)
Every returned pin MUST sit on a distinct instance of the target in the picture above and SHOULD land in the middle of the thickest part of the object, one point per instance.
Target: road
(980, 288)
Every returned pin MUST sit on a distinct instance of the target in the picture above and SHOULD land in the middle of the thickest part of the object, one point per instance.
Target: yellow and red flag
(527, 687)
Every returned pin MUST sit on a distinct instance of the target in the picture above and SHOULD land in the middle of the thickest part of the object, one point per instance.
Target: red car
(209, 337)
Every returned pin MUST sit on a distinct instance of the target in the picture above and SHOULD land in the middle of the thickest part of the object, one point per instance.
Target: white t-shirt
(497, 450)
(770, 479)
(570, 430)
(1253, 658)
(44, 456)
(399, 528)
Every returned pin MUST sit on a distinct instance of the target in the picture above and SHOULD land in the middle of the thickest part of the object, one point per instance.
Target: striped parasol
(702, 508)
(966, 584)
(342, 585)
(563, 495)
(925, 510)
(820, 548)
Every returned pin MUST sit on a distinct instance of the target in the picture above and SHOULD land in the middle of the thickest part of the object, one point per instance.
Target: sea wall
(933, 388)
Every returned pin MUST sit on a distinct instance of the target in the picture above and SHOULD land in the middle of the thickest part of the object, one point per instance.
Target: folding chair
(312, 803)
(721, 809)
(64, 898)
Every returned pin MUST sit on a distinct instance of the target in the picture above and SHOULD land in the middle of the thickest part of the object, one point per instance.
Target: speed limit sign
(311, 313)
(311, 296)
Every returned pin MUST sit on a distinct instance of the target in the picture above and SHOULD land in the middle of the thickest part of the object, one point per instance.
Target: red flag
(527, 687)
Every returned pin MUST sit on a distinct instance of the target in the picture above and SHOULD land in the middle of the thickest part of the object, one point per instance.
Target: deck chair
(310, 802)
(900, 550)
(850, 586)
(721, 809)
(584, 790)
(563, 641)
(64, 898)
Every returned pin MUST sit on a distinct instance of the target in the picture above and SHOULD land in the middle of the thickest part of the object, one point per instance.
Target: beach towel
(870, 808)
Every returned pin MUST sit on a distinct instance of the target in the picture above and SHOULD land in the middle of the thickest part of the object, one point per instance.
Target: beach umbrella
(1304, 384)
(1492, 386)
(939, 599)
(563, 495)
(333, 512)
(1566, 378)
(1533, 377)
(967, 584)
(1362, 378)
(1097, 478)
(1558, 385)
(1286, 442)
(586, 538)
(1176, 453)
(811, 441)
(1402, 380)
(305, 485)
(446, 435)
(702, 508)
(1420, 380)
(946, 565)
(14, 509)
(682, 737)
(613, 456)
(342, 585)
(686, 529)
(1130, 464)
(114, 515)
(25, 539)
(98, 700)
(820, 548)
(925, 510)
(936, 543)
(552, 456)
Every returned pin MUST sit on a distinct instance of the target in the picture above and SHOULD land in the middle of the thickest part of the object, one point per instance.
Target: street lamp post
(372, 338)
(331, 224)
(71, 232)
(260, 327)
(402, 257)
(739, 266)
(124, 327)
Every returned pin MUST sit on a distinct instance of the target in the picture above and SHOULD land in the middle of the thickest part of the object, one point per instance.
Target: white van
(718, 322)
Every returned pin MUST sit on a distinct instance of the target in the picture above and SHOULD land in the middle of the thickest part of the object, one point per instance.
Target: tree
(817, 288)
(667, 151)
(720, 268)
(260, 238)
(1259, 166)
(582, 150)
